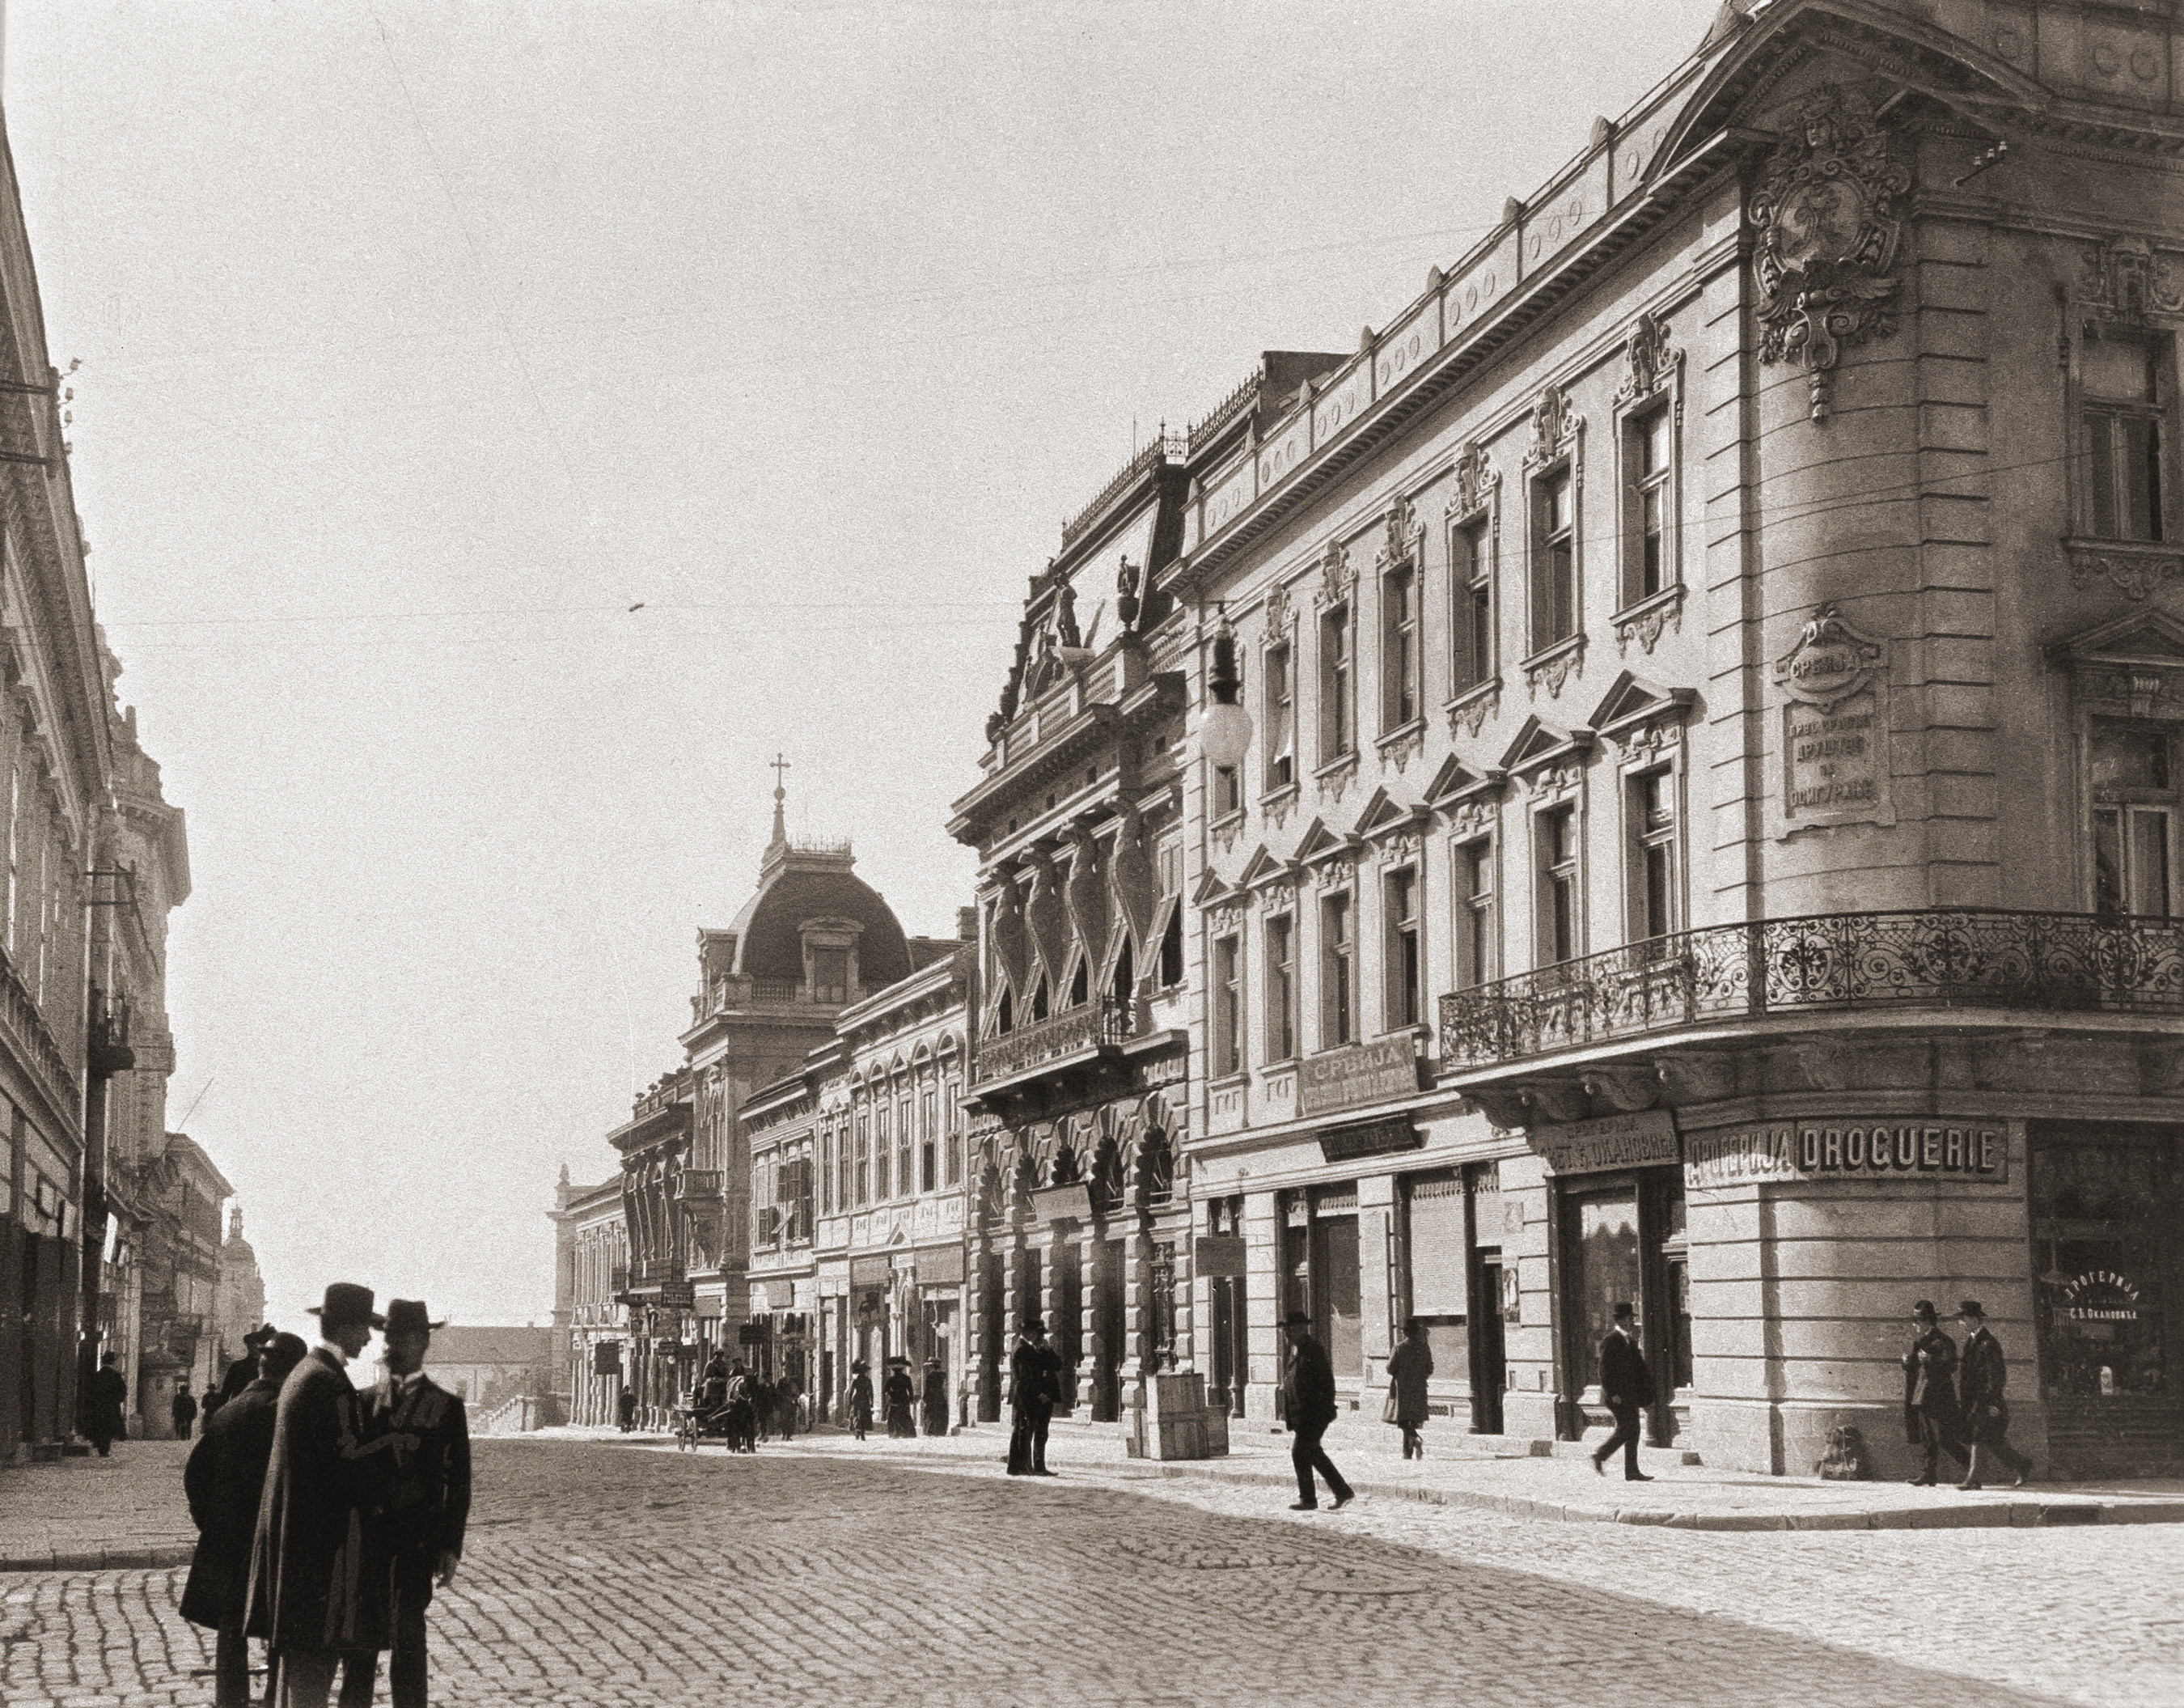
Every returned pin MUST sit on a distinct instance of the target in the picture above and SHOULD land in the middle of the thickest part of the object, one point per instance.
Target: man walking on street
(1986, 1413)
(1626, 1388)
(311, 1596)
(103, 1405)
(421, 1532)
(224, 1482)
(1034, 1386)
(184, 1410)
(1308, 1404)
(1929, 1394)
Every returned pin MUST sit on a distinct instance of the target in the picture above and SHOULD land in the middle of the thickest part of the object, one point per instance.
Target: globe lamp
(1224, 728)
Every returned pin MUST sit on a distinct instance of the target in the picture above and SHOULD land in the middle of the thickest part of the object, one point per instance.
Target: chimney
(966, 924)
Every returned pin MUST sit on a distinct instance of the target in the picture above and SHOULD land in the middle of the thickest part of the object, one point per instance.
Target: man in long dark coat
(1929, 1394)
(1034, 1389)
(1983, 1375)
(420, 1536)
(224, 1482)
(1626, 1388)
(1308, 1407)
(102, 1405)
(312, 1596)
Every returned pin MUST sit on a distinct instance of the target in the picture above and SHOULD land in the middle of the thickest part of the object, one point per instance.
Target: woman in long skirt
(900, 1395)
(861, 1400)
(936, 1398)
(1408, 1368)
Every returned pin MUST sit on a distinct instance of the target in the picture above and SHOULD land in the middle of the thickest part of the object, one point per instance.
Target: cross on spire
(780, 765)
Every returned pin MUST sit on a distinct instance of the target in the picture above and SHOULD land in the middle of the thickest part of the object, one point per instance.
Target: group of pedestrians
(1956, 1405)
(742, 1402)
(326, 1514)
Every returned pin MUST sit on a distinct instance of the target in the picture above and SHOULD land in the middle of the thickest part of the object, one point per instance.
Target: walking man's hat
(407, 1316)
(1624, 1313)
(1296, 1319)
(347, 1302)
(1035, 1325)
(260, 1336)
(1970, 1307)
(1924, 1310)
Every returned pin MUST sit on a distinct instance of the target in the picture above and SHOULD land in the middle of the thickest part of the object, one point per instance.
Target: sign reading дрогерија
(1872, 1150)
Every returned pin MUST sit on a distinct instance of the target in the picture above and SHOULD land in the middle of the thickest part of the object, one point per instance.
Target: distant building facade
(591, 1320)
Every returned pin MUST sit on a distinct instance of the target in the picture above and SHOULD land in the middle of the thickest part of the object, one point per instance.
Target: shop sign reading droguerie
(1857, 1150)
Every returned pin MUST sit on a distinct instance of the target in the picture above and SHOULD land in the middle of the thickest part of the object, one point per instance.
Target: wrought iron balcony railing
(1932, 957)
(1084, 1027)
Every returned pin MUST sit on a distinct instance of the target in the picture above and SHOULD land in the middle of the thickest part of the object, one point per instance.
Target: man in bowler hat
(224, 1480)
(311, 1596)
(102, 1405)
(1626, 1387)
(1308, 1405)
(1034, 1387)
(1986, 1414)
(1929, 1394)
(420, 1533)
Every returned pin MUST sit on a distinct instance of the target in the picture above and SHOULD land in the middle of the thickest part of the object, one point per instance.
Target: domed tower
(240, 1303)
(813, 939)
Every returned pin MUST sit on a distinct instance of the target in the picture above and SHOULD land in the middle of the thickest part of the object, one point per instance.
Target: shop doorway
(2106, 1202)
(1623, 1241)
(1107, 1329)
(1490, 1361)
(1319, 1263)
(993, 1354)
(1066, 1332)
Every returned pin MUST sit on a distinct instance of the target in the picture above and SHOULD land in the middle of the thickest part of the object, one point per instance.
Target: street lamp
(1224, 728)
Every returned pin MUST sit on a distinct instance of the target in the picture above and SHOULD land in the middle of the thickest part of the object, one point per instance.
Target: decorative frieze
(1645, 624)
(1338, 580)
(2134, 570)
(1552, 669)
(1476, 480)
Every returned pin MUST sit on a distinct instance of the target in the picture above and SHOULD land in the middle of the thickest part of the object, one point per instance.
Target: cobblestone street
(613, 1575)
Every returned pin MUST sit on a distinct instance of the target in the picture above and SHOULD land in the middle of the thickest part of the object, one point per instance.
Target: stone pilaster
(1263, 1304)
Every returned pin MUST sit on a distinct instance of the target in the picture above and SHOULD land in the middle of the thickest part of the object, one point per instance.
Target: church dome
(805, 885)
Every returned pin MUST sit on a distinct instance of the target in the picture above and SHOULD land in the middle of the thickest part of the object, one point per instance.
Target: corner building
(1710, 834)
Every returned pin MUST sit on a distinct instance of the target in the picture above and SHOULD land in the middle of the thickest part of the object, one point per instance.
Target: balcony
(1074, 1032)
(1964, 959)
(618, 1278)
(699, 1185)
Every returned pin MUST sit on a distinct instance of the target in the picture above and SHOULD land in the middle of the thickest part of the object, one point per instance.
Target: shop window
(1281, 988)
(1555, 832)
(1338, 734)
(1472, 629)
(1651, 807)
(1604, 1255)
(2135, 806)
(1278, 707)
(2122, 404)
(1649, 458)
(1554, 557)
(1338, 1016)
(2104, 1208)
(1228, 1043)
(1399, 647)
(1438, 1247)
(1406, 975)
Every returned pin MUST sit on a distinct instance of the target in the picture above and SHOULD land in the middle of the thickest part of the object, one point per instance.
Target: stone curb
(2016, 1513)
(102, 1559)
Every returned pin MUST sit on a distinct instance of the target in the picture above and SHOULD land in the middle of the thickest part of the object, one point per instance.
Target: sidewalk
(1516, 1477)
(93, 1514)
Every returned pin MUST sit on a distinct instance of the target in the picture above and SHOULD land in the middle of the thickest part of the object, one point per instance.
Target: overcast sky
(422, 341)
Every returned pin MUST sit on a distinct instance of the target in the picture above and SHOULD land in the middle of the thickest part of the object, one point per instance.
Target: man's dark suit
(109, 1394)
(1308, 1401)
(1986, 1414)
(1626, 1388)
(1931, 1417)
(427, 1509)
(1034, 1386)
(224, 1480)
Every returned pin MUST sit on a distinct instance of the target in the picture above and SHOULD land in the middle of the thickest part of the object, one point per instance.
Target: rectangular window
(830, 976)
(15, 822)
(1474, 921)
(865, 1157)
(2122, 416)
(906, 1153)
(951, 1112)
(928, 1141)
(1338, 1017)
(1281, 989)
(1399, 647)
(1649, 454)
(1400, 898)
(1280, 709)
(803, 1196)
(1337, 734)
(1227, 1042)
(1652, 823)
(826, 1170)
(1554, 580)
(1471, 625)
(1557, 833)
(2135, 806)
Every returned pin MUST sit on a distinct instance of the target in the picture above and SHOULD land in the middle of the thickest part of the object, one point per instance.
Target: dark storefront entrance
(2107, 1202)
(1320, 1274)
(1622, 1239)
